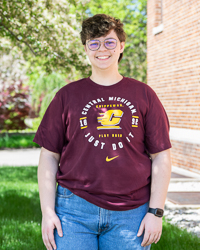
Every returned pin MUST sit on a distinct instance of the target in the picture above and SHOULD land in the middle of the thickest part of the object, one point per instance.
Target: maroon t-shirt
(103, 134)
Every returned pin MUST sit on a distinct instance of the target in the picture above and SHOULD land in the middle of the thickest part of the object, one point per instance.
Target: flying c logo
(110, 119)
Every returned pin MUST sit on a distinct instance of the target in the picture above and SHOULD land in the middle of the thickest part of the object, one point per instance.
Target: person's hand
(152, 227)
(50, 221)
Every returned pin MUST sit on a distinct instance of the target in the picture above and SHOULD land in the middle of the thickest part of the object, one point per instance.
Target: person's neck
(106, 78)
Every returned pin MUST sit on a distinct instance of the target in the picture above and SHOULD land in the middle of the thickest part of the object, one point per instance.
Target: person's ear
(85, 48)
(122, 45)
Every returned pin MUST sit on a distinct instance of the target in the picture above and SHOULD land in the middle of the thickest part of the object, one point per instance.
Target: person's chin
(103, 67)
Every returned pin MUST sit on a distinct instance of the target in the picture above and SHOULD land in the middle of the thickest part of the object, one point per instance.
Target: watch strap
(156, 211)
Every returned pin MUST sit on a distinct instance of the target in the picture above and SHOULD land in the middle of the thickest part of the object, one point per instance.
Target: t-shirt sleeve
(51, 131)
(156, 126)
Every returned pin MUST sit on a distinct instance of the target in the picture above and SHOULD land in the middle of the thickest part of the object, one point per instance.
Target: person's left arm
(160, 177)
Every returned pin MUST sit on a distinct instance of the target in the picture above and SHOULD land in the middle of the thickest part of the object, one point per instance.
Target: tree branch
(18, 38)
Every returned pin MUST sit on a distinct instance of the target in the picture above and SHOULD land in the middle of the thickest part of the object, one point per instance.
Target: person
(104, 166)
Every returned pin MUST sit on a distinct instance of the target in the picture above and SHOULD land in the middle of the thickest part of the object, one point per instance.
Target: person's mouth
(103, 58)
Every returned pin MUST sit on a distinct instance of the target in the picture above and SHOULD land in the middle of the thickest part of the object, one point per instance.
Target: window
(158, 22)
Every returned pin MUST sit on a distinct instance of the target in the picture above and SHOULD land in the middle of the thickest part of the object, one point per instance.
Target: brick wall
(158, 13)
(173, 64)
(186, 155)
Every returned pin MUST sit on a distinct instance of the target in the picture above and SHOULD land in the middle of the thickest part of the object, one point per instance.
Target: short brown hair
(100, 25)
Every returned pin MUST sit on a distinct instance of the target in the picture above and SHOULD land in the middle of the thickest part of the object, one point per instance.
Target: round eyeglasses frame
(101, 42)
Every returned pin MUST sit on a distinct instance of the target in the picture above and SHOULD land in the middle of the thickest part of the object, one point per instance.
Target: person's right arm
(47, 169)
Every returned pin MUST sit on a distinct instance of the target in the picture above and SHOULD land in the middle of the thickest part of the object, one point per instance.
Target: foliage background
(45, 33)
(14, 95)
(133, 14)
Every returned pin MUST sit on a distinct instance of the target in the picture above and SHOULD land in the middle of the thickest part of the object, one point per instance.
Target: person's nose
(102, 46)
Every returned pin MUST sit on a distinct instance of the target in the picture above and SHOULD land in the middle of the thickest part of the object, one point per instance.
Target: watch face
(159, 212)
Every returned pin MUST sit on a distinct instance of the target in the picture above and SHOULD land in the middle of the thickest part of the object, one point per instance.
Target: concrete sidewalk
(19, 157)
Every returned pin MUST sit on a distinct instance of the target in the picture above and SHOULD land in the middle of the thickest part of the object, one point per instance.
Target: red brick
(173, 66)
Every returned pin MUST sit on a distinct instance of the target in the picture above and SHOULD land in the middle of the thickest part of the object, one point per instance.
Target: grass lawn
(20, 215)
(17, 141)
(20, 209)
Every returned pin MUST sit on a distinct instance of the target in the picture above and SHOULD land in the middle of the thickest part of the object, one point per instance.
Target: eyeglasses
(109, 43)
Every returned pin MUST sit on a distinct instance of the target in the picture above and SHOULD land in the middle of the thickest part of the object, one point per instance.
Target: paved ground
(182, 205)
(19, 157)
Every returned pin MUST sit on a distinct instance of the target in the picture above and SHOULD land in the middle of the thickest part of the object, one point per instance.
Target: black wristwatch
(156, 211)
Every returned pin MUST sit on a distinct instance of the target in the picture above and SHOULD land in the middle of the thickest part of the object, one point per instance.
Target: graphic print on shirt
(109, 119)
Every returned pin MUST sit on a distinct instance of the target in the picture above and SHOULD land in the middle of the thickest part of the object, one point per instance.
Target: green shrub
(20, 140)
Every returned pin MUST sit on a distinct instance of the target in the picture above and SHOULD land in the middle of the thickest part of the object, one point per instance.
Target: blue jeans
(88, 227)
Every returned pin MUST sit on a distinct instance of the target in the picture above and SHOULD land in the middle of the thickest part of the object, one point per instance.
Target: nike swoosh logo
(107, 159)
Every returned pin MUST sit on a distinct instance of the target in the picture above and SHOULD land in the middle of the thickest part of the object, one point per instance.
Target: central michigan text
(124, 101)
(100, 102)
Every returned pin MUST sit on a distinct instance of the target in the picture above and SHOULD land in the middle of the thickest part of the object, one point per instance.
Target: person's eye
(94, 44)
(110, 43)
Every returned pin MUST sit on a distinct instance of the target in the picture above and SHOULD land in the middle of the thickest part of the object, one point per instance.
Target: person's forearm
(47, 169)
(160, 177)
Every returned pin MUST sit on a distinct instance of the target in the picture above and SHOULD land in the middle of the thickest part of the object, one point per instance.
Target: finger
(150, 240)
(44, 238)
(141, 229)
(59, 227)
(145, 239)
(153, 239)
(51, 240)
(46, 242)
(158, 238)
